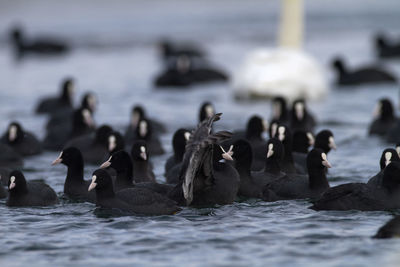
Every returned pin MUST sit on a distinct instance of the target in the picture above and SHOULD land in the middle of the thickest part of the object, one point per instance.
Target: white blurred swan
(286, 71)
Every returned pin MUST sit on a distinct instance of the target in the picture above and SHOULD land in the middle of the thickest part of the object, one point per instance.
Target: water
(115, 57)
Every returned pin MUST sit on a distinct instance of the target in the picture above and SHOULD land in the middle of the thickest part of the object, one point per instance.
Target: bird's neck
(125, 176)
(140, 166)
(104, 194)
(288, 153)
(317, 179)
(75, 173)
(178, 155)
(272, 166)
(243, 168)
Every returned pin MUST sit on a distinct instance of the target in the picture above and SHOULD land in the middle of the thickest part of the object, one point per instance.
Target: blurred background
(114, 44)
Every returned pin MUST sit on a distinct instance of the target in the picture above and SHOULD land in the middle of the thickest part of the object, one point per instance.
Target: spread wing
(197, 166)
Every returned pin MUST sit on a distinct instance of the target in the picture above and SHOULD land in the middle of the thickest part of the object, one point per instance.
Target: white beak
(143, 128)
(187, 136)
(12, 134)
(111, 143)
(326, 164)
(227, 155)
(274, 127)
(311, 139)
(377, 110)
(281, 134)
(106, 164)
(270, 150)
(57, 160)
(143, 153)
(12, 184)
(135, 119)
(93, 184)
(265, 125)
(87, 117)
(325, 161)
(332, 143)
(209, 111)
(388, 158)
(299, 109)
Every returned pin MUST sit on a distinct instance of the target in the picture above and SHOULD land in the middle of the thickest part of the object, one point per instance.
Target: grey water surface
(115, 56)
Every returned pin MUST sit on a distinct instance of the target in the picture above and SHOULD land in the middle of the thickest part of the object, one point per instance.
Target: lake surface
(115, 56)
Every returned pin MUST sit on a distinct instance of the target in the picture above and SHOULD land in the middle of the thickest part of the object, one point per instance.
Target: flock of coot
(207, 167)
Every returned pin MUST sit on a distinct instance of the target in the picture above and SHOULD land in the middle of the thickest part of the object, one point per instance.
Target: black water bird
(183, 72)
(384, 118)
(93, 146)
(144, 132)
(280, 111)
(205, 179)
(61, 103)
(386, 48)
(174, 162)
(23, 142)
(142, 170)
(133, 200)
(39, 46)
(284, 135)
(170, 49)
(75, 187)
(138, 113)
(116, 142)
(388, 155)
(391, 229)
(255, 128)
(363, 75)
(272, 169)
(325, 141)
(23, 193)
(364, 197)
(312, 185)
(82, 123)
(301, 118)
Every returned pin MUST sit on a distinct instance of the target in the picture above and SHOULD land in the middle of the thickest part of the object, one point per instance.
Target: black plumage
(133, 200)
(93, 146)
(142, 171)
(363, 75)
(58, 104)
(358, 196)
(301, 186)
(206, 180)
(23, 142)
(285, 136)
(388, 155)
(386, 48)
(384, 118)
(23, 193)
(301, 118)
(75, 187)
(174, 162)
(38, 46)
